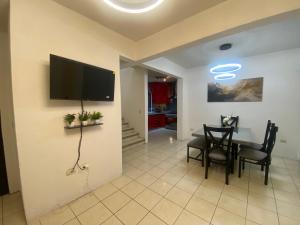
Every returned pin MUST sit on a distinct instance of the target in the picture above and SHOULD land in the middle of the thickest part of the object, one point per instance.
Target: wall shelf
(78, 126)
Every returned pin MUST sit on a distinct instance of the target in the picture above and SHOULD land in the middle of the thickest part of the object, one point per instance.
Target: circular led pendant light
(225, 76)
(133, 6)
(226, 68)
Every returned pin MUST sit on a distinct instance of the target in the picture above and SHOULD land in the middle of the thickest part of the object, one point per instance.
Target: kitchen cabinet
(156, 121)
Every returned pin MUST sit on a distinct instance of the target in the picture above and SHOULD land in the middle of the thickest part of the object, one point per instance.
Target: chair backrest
(234, 121)
(223, 140)
(267, 134)
(271, 139)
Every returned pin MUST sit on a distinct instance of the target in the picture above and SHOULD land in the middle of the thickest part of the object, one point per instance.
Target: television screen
(72, 80)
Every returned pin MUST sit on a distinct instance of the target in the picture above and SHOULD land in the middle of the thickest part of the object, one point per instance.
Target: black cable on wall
(80, 141)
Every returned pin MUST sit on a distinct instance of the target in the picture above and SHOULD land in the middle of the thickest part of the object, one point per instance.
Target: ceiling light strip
(225, 76)
(226, 68)
(114, 5)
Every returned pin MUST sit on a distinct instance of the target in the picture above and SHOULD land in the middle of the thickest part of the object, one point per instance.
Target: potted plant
(69, 119)
(96, 116)
(83, 118)
(226, 121)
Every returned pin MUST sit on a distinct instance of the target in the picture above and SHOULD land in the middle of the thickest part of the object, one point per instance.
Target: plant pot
(97, 121)
(84, 123)
(71, 124)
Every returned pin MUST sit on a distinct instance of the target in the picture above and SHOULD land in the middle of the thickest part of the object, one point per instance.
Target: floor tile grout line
(216, 206)
(110, 218)
(99, 201)
(277, 213)
(149, 211)
(164, 197)
(76, 217)
(247, 197)
(278, 199)
(184, 208)
(133, 199)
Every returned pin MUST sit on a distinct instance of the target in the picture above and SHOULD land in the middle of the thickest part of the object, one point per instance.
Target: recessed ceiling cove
(137, 26)
(134, 6)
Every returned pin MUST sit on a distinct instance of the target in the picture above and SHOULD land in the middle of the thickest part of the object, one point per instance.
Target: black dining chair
(234, 121)
(263, 157)
(218, 148)
(197, 143)
(258, 146)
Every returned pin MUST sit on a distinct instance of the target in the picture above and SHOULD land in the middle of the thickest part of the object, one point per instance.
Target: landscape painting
(244, 90)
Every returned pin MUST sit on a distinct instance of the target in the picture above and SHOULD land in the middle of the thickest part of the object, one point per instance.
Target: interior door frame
(179, 93)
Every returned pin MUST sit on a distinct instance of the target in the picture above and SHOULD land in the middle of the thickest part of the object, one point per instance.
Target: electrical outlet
(70, 172)
(85, 167)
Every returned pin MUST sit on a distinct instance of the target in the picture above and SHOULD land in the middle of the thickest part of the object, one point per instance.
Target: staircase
(130, 138)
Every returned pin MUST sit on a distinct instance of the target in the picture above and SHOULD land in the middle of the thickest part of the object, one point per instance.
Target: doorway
(162, 105)
(3, 175)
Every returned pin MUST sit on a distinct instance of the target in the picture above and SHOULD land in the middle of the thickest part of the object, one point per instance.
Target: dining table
(241, 135)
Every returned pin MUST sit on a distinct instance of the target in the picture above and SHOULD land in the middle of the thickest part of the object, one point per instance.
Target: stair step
(129, 135)
(125, 126)
(128, 139)
(133, 142)
(126, 129)
(128, 132)
(125, 123)
(133, 146)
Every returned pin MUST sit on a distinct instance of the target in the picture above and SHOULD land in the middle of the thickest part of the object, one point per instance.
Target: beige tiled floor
(158, 187)
(11, 210)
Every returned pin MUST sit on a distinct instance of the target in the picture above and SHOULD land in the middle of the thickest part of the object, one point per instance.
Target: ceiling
(4, 9)
(154, 76)
(139, 26)
(276, 36)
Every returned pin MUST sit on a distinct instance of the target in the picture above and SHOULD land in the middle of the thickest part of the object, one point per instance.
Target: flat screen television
(72, 80)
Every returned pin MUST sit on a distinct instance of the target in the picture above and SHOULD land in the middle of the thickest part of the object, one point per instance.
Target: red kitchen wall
(160, 92)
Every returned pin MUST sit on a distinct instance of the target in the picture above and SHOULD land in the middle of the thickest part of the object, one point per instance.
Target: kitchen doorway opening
(162, 106)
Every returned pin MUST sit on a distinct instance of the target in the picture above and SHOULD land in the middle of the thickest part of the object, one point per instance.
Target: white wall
(133, 93)
(46, 150)
(281, 72)
(7, 116)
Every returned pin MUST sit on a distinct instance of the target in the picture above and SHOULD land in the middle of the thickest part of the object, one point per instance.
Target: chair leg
(235, 150)
(262, 168)
(202, 152)
(243, 165)
(188, 154)
(232, 166)
(206, 166)
(240, 167)
(267, 173)
(227, 174)
(232, 160)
